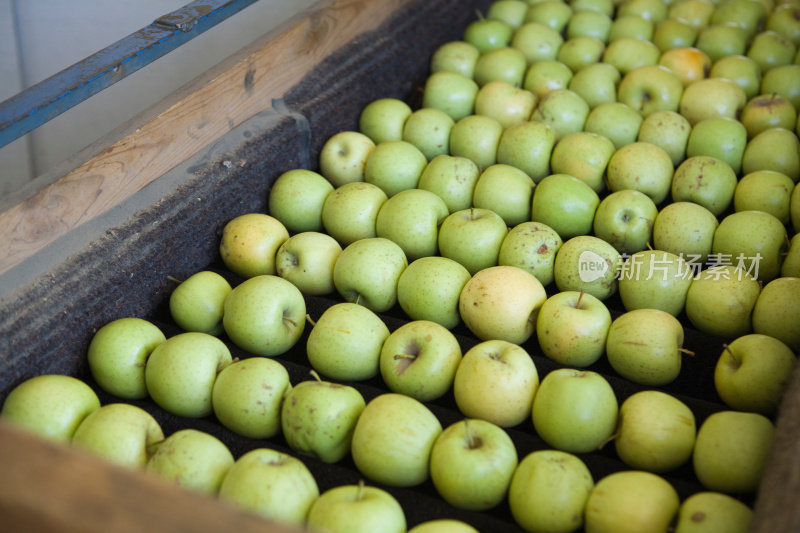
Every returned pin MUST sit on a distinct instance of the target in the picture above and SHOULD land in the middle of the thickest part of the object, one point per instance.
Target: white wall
(38, 38)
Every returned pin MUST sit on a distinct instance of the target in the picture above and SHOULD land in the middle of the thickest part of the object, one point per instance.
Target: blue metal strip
(46, 100)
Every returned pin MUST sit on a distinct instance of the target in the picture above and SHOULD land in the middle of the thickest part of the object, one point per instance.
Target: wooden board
(209, 107)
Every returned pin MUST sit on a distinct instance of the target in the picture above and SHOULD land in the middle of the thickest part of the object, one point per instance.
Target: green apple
(753, 372)
(318, 418)
(192, 459)
(197, 302)
(450, 92)
(773, 149)
(367, 271)
(630, 53)
(506, 64)
(411, 218)
(565, 203)
(531, 246)
(506, 103)
(444, 525)
(306, 259)
(265, 315)
(617, 121)
(641, 166)
(722, 40)
(496, 381)
(767, 111)
(350, 211)
(343, 156)
(296, 199)
(429, 288)
(511, 12)
(501, 302)
(712, 97)
(581, 51)
(586, 23)
(181, 371)
(472, 237)
(650, 88)
(713, 512)
(572, 328)
(783, 20)
(476, 137)
(791, 264)
(704, 180)
(356, 509)
(655, 279)
(488, 33)
(770, 49)
(564, 110)
(685, 229)
(720, 301)
(537, 41)
(248, 394)
(688, 63)
(121, 433)
(722, 138)
(673, 34)
(783, 81)
(272, 484)
(794, 208)
(393, 438)
(428, 129)
(575, 410)
(600, 6)
(730, 451)
(552, 13)
(452, 178)
(249, 243)
(777, 311)
(655, 432)
(345, 342)
(394, 166)
(383, 119)
(646, 346)
(742, 70)
(748, 15)
(669, 130)
(587, 263)
(654, 11)
(546, 75)
(472, 463)
(624, 219)
(528, 146)
(50, 405)
(548, 491)
(419, 359)
(631, 501)
(765, 190)
(117, 355)
(753, 239)
(507, 191)
(696, 13)
(455, 56)
(631, 27)
(596, 83)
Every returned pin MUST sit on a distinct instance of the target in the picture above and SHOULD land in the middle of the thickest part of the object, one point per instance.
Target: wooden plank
(50, 487)
(205, 110)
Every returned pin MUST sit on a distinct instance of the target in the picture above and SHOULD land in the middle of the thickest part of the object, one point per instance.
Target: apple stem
(405, 356)
(310, 320)
(472, 442)
(728, 349)
(686, 352)
(315, 375)
(173, 278)
(578, 303)
(607, 440)
(359, 494)
(648, 245)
